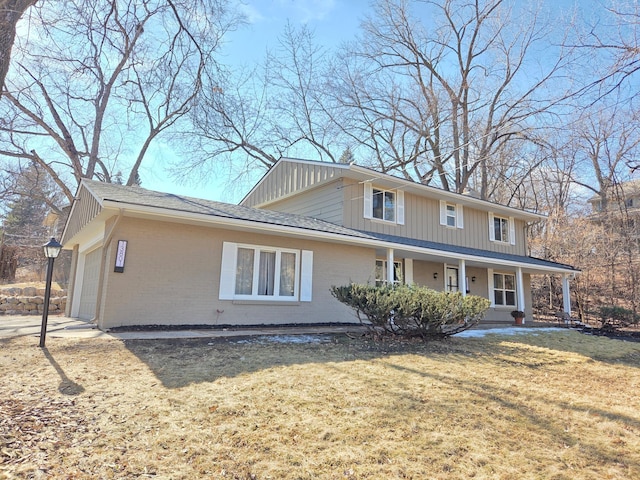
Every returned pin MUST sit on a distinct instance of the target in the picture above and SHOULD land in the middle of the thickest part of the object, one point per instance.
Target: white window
(381, 272)
(502, 229)
(504, 289)
(251, 272)
(451, 214)
(386, 205)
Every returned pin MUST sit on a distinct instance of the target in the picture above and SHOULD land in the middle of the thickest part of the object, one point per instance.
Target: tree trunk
(10, 13)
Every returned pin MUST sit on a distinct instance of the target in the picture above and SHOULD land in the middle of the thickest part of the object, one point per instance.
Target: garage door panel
(90, 281)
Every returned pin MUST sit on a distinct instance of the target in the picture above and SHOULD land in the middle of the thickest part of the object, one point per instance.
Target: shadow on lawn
(611, 350)
(180, 362)
(67, 386)
(509, 400)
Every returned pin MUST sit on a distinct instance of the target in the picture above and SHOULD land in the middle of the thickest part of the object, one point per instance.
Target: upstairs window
(451, 215)
(384, 205)
(502, 229)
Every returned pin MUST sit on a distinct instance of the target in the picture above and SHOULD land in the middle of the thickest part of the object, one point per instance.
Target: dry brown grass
(547, 406)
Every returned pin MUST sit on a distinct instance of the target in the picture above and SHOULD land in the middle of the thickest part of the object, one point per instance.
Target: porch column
(462, 269)
(520, 290)
(566, 295)
(390, 266)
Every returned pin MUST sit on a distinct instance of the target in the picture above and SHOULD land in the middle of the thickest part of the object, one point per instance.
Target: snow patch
(285, 339)
(479, 333)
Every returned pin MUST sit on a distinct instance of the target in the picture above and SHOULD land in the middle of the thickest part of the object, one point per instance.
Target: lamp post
(51, 251)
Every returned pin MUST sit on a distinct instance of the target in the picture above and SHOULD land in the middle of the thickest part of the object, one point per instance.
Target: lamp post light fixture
(51, 251)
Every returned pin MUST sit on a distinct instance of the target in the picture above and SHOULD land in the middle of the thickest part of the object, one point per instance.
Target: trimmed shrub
(412, 311)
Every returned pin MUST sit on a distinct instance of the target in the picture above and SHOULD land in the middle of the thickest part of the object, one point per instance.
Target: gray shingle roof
(476, 252)
(177, 203)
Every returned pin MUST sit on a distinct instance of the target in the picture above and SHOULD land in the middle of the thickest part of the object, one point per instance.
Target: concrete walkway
(64, 327)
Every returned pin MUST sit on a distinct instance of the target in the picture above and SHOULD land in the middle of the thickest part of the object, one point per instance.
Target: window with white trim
(502, 229)
(252, 272)
(504, 289)
(385, 205)
(451, 214)
(381, 272)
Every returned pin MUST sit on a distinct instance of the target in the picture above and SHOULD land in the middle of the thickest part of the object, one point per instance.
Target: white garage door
(90, 277)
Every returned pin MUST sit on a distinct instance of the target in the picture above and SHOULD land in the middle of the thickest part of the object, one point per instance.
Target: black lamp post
(51, 251)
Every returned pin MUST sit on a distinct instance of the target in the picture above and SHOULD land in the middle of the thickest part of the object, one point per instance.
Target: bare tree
(444, 87)
(279, 108)
(604, 139)
(95, 83)
(10, 13)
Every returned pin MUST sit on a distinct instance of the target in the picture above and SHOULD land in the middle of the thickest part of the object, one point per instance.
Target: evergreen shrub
(410, 310)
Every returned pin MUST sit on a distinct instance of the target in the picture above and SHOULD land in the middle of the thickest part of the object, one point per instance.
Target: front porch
(506, 282)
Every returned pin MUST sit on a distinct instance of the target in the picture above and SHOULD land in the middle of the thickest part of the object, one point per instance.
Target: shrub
(612, 317)
(412, 310)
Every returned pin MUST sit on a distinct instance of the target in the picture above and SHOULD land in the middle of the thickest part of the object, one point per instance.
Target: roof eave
(272, 228)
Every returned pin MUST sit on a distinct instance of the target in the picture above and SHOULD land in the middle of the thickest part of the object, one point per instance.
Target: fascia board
(273, 229)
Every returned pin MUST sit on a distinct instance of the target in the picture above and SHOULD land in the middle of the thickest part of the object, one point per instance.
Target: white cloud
(302, 11)
(251, 13)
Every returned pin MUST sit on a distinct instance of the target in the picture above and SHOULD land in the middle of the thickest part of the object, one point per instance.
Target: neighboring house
(620, 208)
(624, 196)
(143, 257)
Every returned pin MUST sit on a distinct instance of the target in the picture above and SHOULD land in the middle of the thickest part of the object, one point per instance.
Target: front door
(451, 278)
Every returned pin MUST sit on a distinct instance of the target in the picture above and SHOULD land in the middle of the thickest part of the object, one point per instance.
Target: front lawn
(546, 406)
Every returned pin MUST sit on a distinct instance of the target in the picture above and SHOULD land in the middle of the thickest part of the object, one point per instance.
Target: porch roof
(475, 253)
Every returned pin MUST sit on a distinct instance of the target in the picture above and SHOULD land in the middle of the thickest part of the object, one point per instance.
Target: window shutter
(492, 297)
(368, 200)
(400, 207)
(492, 232)
(443, 212)
(306, 276)
(408, 271)
(459, 216)
(512, 231)
(228, 271)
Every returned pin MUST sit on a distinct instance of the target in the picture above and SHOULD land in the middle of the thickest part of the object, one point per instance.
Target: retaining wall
(30, 301)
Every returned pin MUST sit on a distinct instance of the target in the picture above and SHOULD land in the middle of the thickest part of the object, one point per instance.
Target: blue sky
(333, 22)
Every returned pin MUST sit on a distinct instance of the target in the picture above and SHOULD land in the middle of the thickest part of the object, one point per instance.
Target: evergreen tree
(347, 156)
(28, 207)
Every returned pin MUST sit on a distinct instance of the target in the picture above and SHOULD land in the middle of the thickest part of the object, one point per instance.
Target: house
(619, 209)
(623, 196)
(142, 257)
